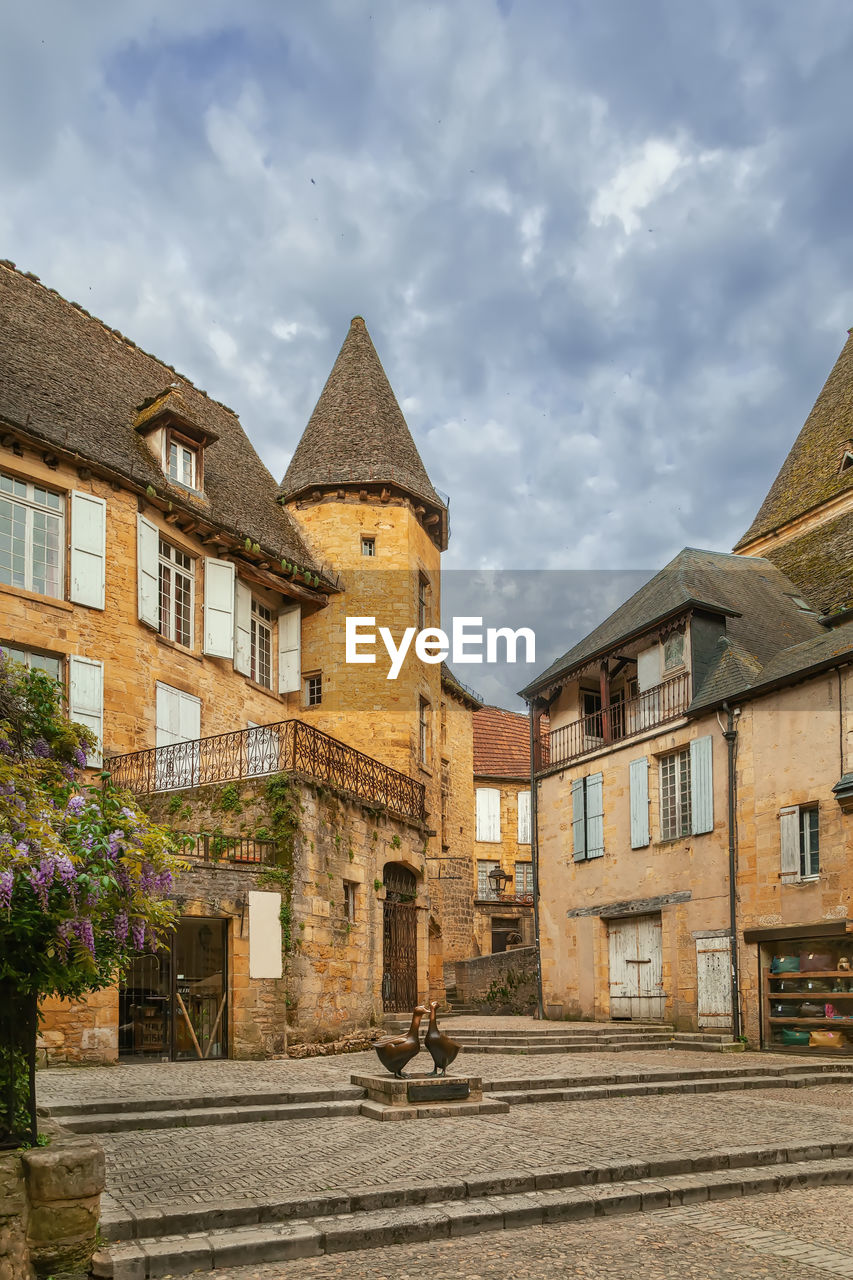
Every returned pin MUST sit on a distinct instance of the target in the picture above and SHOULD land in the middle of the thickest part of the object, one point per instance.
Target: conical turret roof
(357, 433)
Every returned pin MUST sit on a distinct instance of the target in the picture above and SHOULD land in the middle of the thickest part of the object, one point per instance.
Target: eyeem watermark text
(465, 644)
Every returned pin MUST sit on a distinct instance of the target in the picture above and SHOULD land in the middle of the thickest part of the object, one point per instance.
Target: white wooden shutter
(219, 608)
(489, 814)
(178, 716)
(290, 649)
(86, 700)
(648, 668)
(88, 549)
(701, 785)
(595, 815)
(638, 773)
(148, 571)
(524, 817)
(789, 840)
(579, 820)
(242, 628)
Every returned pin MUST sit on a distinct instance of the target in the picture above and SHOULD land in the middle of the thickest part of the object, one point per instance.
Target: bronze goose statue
(394, 1052)
(442, 1049)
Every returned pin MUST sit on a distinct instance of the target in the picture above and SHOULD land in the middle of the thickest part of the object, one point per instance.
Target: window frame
(30, 507)
(682, 809)
(10, 649)
(368, 540)
(488, 894)
(350, 892)
(307, 682)
(258, 625)
(810, 811)
(176, 568)
(172, 437)
(424, 731)
(521, 891)
(424, 594)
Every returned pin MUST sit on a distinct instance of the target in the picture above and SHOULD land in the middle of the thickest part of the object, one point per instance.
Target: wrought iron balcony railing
(619, 721)
(236, 851)
(290, 746)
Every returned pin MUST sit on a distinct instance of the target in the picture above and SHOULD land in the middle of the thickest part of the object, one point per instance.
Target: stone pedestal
(420, 1097)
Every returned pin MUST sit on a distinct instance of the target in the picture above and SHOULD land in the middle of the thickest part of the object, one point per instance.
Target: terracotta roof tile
(501, 744)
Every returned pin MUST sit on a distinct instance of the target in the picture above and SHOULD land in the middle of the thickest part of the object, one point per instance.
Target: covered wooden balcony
(616, 721)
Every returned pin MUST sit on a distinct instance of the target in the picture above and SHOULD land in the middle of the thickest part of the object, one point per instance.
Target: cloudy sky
(604, 247)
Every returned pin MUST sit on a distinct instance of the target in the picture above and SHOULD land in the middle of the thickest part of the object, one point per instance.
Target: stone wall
(504, 983)
(49, 1207)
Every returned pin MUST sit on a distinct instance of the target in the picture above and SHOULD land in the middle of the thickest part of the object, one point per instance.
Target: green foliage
(396, 842)
(282, 799)
(229, 798)
(377, 885)
(175, 804)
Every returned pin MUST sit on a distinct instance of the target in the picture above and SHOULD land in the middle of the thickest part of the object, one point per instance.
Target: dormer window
(183, 462)
(847, 460)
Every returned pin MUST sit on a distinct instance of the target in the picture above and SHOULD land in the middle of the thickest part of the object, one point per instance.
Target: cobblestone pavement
(199, 1079)
(202, 1165)
(793, 1235)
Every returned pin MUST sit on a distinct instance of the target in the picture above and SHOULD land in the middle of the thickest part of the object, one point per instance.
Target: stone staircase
(170, 1241)
(580, 1037)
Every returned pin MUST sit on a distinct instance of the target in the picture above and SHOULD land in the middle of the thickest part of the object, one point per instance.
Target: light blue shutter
(148, 571)
(86, 700)
(88, 549)
(289, 649)
(578, 820)
(701, 785)
(639, 777)
(595, 815)
(219, 608)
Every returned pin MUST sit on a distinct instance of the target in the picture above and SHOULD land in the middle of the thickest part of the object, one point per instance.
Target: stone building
(503, 906)
(696, 783)
(194, 612)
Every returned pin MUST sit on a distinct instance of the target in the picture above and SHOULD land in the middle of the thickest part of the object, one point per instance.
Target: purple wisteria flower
(41, 878)
(147, 878)
(125, 812)
(120, 927)
(7, 881)
(114, 843)
(137, 933)
(40, 748)
(80, 757)
(163, 882)
(83, 929)
(63, 936)
(65, 868)
(76, 805)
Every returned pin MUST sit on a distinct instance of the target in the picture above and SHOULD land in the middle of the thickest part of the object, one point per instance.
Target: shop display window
(808, 995)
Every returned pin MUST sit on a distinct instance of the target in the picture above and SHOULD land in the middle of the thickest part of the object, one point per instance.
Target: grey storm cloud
(604, 250)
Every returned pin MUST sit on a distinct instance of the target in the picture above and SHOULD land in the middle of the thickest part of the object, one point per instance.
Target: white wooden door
(714, 982)
(636, 974)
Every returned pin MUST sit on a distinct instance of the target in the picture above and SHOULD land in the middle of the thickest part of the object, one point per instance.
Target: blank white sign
(264, 935)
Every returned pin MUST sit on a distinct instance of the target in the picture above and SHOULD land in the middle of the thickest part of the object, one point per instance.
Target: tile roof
(69, 380)
(811, 474)
(754, 596)
(357, 433)
(459, 689)
(501, 744)
(820, 562)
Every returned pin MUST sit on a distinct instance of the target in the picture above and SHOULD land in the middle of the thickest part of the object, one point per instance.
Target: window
(182, 460)
(313, 690)
(675, 797)
(423, 601)
(349, 900)
(524, 817)
(488, 814)
(588, 817)
(176, 594)
(368, 546)
(523, 878)
(423, 730)
(32, 543)
(485, 889)
(36, 661)
(846, 461)
(799, 829)
(261, 644)
(673, 651)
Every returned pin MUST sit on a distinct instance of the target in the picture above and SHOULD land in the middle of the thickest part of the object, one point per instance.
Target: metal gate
(636, 987)
(399, 940)
(714, 982)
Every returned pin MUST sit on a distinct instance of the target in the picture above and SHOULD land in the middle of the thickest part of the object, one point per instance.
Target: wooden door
(714, 982)
(636, 977)
(399, 940)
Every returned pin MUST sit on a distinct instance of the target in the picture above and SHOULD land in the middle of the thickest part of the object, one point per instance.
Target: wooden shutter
(86, 700)
(789, 840)
(148, 571)
(595, 815)
(489, 814)
(701, 785)
(290, 649)
(88, 549)
(178, 716)
(242, 628)
(638, 773)
(524, 817)
(219, 608)
(579, 819)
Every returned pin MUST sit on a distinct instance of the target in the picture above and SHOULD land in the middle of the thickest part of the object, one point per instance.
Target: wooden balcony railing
(290, 746)
(619, 721)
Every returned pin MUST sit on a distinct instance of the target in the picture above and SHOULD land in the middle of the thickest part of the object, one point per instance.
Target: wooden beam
(604, 686)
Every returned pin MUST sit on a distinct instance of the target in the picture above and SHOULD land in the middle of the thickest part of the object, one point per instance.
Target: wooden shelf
(807, 974)
(840, 1024)
(812, 995)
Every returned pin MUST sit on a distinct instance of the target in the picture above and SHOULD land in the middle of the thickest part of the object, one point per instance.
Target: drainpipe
(730, 735)
(534, 857)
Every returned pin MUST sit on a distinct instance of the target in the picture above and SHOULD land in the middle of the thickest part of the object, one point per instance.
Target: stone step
(192, 1117)
(819, 1073)
(156, 1243)
(102, 1106)
(641, 1089)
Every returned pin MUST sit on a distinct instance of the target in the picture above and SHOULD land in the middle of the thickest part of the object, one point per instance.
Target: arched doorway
(399, 939)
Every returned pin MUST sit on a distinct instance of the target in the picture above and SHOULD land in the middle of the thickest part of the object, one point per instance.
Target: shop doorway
(173, 1004)
(399, 940)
